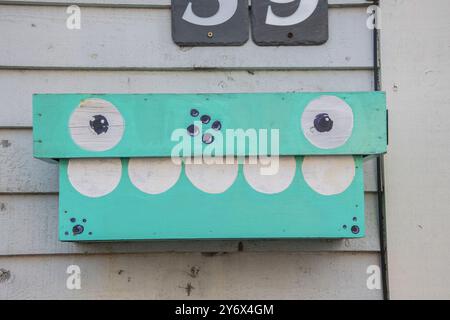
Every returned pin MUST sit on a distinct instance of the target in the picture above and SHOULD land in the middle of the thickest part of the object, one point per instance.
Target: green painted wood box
(210, 166)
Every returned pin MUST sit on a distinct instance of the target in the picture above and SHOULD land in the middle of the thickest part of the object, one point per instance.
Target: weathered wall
(415, 47)
(126, 47)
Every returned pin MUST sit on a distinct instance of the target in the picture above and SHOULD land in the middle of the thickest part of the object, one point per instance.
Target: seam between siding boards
(142, 6)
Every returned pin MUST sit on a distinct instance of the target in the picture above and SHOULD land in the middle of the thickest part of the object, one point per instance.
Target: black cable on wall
(380, 169)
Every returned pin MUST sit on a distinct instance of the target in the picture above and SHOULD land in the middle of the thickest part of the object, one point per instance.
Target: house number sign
(226, 22)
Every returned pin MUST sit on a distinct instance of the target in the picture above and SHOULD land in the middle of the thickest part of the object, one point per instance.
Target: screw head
(216, 125)
(355, 229)
(210, 34)
(78, 229)
(193, 130)
(208, 138)
(205, 119)
(194, 113)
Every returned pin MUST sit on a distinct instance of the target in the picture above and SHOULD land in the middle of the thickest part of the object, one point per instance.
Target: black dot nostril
(355, 229)
(323, 122)
(99, 124)
(78, 229)
(217, 125)
(192, 130)
(208, 138)
(205, 119)
(194, 112)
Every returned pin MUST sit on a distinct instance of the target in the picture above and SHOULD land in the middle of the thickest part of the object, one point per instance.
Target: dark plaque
(289, 23)
(210, 22)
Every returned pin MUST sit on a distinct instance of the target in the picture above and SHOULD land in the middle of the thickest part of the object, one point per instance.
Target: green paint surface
(150, 120)
(184, 212)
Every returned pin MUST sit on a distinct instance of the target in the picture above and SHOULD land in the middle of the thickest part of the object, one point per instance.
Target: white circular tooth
(328, 175)
(83, 134)
(268, 180)
(153, 175)
(340, 113)
(94, 177)
(212, 175)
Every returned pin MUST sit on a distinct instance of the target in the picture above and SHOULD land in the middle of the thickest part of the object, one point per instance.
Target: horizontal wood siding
(126, 47)
(223, 276)
(141, 39)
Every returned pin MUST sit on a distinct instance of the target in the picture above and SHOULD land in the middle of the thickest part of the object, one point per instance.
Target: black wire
(380, 173)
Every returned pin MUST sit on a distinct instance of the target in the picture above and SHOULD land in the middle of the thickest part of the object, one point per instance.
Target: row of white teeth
(326, 175)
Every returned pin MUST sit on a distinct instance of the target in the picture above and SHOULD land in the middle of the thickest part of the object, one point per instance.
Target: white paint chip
(212, 177)
(106, 114)
(153, 175)
(328, 175)
(94, 177)
(338, 111)
(270, 183)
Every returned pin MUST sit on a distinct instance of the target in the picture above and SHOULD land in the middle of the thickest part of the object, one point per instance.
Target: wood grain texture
(29, 226)
(166, 276)
(141, 39)
(18, 86)
(21, 173)
(359, 124)
(147, 3)
(415, 75)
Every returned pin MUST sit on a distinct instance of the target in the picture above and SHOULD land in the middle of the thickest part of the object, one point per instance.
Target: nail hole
(290, 35)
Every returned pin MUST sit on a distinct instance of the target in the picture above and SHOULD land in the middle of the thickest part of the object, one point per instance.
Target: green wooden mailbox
(210, 166)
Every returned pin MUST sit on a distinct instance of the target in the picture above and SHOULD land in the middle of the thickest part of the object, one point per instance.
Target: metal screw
(210, 34)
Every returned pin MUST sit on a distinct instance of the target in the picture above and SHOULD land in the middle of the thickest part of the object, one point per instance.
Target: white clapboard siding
(148, 3)
(125, 46)
(18, 86)
(193, 276)
(36, 216)
(115, 38)
(21, 173)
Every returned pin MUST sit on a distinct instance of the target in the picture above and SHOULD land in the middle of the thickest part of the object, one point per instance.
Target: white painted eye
(327, 122)
(153, 175)
(213, 176)
(328, 175)
(96, 125)
(270, 177)
(94, 177)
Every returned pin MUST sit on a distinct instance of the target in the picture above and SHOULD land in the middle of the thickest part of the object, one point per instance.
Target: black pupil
(323, 122)
(99, 124)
